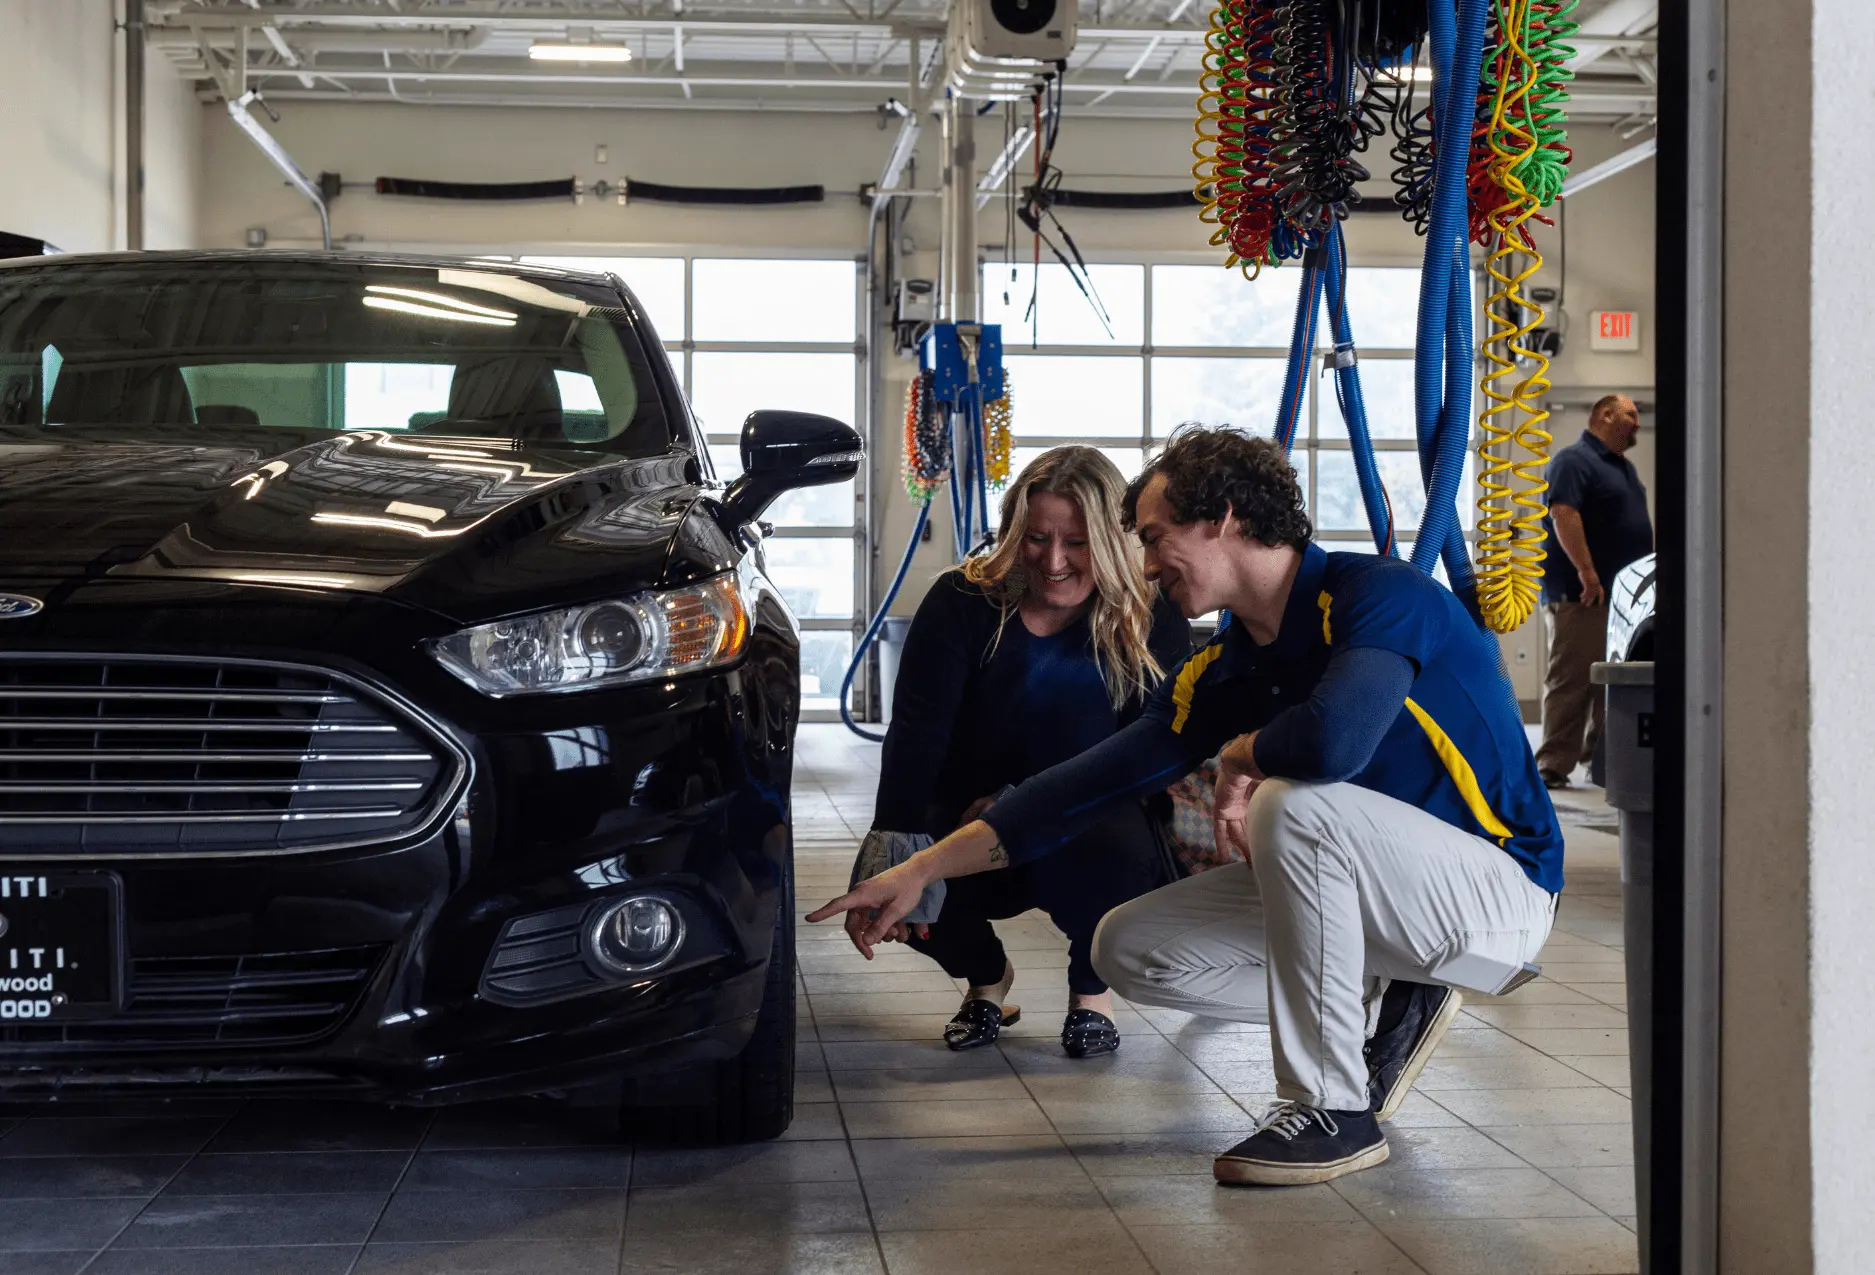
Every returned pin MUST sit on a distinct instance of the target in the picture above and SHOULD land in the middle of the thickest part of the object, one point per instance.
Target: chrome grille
(146, 755)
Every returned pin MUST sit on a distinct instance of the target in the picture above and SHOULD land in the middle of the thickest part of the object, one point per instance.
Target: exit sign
(1614, 330)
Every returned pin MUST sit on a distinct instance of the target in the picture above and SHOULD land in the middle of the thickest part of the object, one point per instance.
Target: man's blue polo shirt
(1600, 484)
(1456, 747)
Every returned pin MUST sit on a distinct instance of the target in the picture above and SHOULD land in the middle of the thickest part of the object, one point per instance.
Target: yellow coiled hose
(1514, 449)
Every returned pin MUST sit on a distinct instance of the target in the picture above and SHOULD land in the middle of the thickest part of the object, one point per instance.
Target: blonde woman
(1018, 660)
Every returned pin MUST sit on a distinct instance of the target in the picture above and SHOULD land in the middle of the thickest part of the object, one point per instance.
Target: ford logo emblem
(17, 606)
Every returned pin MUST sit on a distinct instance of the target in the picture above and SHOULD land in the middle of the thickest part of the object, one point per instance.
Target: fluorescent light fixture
(579, 53)
(459, 316)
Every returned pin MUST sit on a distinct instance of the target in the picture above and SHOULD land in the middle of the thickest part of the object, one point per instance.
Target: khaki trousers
(1345, 890)
(1572, 708)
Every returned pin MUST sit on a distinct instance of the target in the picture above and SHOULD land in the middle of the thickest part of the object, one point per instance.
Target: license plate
(60, 945)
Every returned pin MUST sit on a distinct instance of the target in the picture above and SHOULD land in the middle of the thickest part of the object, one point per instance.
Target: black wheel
(748, 1098)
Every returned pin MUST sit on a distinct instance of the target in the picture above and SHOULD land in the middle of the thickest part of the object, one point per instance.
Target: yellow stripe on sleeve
(1325, 602)
(1462, 774)
(1188, 682)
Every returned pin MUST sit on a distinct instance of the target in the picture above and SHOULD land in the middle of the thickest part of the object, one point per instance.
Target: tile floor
(1511, 1158)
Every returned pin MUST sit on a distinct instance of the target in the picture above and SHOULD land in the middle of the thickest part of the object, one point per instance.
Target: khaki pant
(1572, 707)
(1345, 890)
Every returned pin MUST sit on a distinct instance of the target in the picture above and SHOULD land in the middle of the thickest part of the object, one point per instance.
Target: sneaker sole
(1236, 1172)
(1422, 1055)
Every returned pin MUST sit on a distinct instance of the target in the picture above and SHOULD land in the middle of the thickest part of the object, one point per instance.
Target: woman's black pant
(1076, 884)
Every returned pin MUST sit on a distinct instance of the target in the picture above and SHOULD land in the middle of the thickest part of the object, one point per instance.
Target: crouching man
(1373, 767)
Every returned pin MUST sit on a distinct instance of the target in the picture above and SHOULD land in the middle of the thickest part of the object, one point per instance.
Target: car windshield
(171, 347)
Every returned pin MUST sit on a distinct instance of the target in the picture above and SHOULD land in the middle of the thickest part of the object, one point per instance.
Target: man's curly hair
(1214, 470)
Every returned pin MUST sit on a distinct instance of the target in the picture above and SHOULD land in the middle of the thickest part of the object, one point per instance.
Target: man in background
(1597, 525)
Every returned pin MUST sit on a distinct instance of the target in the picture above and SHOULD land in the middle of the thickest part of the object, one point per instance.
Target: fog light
(636, 935)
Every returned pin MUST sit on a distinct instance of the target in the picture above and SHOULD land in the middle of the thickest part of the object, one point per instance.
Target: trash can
(891, 644)
(1628, 735)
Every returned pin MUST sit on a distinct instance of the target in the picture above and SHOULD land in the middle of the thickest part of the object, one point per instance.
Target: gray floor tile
(291, 1173)
(73, 1224)
(1596, 1105)
(64, 1177)
(829, 1161)
(815, 1121)
(110, 1135)
(1503, 1072)
(926, 1084)
(1191, 1200)
(1092, 1250)
(1059, 1204)
(1609, 1069)
(303, 1259)
(1593, 1017)
(1449, 1148)
(1169, 1113)
(987, 1116)
(1187, 1153)
(748, 1208)
(492, 1257)
(1344, 1248)
(788, 1254)
(68, 1262)
(1401, 1191)
(1570, 1040)
(812, 1086)
(1610, 1189)
(442, 1216)
(1567, 1146)
(203, 1221)
(528, 1168)
(1037, 1158)
(1577, 1246)
(315, 1126)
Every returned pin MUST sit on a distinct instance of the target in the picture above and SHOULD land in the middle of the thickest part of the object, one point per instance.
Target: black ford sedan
(391, 703)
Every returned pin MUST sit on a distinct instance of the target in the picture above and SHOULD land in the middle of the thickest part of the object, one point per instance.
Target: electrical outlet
(598, 155)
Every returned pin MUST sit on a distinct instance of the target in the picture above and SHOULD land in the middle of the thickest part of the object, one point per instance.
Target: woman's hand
(1237, 778)
(874, 907)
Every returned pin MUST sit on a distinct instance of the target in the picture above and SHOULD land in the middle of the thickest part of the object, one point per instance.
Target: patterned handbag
(1189, 835)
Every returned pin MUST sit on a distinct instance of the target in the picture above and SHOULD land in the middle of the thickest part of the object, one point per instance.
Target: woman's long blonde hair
(1121, 619)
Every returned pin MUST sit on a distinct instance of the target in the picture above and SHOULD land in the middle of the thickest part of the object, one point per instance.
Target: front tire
(748, 1098)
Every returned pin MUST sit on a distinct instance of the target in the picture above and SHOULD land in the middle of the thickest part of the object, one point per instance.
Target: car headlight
(643, 638)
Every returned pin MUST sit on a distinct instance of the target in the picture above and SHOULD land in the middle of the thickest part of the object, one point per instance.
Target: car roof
(417, 261)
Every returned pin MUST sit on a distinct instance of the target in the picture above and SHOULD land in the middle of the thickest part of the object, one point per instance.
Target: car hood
(467, 527)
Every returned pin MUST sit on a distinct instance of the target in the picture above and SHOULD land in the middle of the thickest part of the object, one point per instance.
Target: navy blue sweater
(971, 714)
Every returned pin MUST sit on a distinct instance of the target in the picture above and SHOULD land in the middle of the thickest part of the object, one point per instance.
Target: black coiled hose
(1316, 172)
(1412, 155)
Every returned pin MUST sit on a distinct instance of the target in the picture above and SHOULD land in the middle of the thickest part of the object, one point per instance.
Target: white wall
(62, 144)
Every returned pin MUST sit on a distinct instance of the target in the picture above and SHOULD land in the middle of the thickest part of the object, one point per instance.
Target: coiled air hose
(1523, 168)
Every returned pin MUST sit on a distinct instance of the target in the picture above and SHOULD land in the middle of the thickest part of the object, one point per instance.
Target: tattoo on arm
(999, 857)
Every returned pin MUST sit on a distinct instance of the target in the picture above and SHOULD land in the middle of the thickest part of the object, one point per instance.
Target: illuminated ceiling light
(437, 298)
(429, 312)
(579, 53)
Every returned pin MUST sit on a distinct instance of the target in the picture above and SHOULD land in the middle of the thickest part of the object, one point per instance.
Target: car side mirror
(785, 450)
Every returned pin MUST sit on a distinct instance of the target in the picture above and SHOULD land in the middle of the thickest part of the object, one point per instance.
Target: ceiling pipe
(133, 124)
(270, 147)
(456, 40)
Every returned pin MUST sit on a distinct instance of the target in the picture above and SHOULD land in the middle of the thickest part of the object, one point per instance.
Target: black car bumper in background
(258, 956)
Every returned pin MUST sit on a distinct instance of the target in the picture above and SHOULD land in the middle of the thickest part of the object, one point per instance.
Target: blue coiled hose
(1442, 366)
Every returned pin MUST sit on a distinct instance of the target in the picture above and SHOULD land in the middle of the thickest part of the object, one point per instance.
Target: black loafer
(1088, 1033)
(1419, 1014)
(978, 1023)
(1295, 1145)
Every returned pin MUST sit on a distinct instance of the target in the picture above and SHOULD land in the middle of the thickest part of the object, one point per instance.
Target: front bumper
(362, 970)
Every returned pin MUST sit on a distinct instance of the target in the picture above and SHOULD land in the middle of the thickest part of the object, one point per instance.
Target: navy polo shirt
(1455, 747)
(1602, 486)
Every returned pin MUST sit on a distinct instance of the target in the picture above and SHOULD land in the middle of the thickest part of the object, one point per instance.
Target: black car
(391, 702)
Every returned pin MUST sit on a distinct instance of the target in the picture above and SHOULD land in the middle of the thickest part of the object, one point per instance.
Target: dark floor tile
(750, 1162)
(66, 1224)
(603, 1168)
(69, 1262)
(291, 1173)
(493, 1257)
(67, 1177)
(427, 1216)
(515, 1124)
(323, 1126)
(837, 1254)
(197, 1221)
(300, 1259)
(732, 1208)
(110, 1135)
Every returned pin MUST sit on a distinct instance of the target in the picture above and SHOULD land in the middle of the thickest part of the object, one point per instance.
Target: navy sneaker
(1413, 1019)
(1296, 1145)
